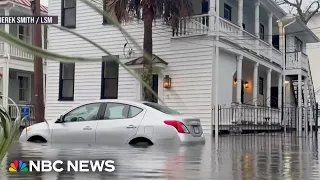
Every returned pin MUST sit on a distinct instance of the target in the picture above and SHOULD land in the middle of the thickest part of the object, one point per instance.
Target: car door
(120, 122)
(78, 125)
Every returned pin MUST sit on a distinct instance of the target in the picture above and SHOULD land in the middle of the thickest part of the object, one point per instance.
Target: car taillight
(180, 127)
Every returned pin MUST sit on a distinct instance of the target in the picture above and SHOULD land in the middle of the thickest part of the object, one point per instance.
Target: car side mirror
(60, 120)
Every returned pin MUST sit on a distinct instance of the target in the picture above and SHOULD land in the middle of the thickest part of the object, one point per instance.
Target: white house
(313, 53)
(16, 66)
(249, 55)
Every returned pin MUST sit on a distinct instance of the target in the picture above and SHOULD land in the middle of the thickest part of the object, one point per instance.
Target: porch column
(270, 15)
(255, 84)
(280, 91)
(239, 78)
(305, 104)
(212, 14)
(269, 94)
(257, 22)
(280, 99)
(5, 80)
(269, 88)
(255, 91)
(240, 13)
(300, 104)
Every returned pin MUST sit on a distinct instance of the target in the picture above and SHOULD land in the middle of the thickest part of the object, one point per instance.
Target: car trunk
(193, 125)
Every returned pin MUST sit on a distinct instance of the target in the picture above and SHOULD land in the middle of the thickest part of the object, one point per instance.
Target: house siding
(190, 65)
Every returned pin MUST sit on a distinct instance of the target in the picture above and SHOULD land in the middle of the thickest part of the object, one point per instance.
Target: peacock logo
(18, 166)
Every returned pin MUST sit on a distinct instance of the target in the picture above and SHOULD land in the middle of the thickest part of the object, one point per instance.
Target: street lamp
(283, 23)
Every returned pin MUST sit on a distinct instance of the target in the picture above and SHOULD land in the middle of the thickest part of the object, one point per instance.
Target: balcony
(297, 60)
(15, 52)
(199, 25)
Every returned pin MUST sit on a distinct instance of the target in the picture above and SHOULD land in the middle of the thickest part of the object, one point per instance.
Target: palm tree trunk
(147, 54)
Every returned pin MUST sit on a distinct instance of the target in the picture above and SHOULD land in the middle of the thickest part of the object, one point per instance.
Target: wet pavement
(238, 157)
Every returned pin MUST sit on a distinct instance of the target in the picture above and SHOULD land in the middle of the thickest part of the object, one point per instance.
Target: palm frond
(9, 129)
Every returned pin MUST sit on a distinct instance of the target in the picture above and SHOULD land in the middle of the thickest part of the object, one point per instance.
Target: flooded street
(238, 157)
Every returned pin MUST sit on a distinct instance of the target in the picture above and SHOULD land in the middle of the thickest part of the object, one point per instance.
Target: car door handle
(131, 127)
(87, 128)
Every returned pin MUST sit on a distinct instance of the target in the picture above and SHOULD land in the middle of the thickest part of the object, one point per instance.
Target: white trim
(29, 86)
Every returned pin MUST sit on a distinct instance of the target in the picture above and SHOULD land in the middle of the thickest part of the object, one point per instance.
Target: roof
(139, 61)
(28, 4)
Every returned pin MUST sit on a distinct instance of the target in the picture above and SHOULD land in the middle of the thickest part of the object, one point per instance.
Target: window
(227, 12)
(120, 111)
(24, 92)
(110, 74)
(134, 111)
(261, 31)
(116, 111)
(297, 44)
(261, 86)
(104, 20)
(86, 112)
(66, 81)
(161, 108)
(24, 32)
(243, 26)
(204, 7)
(45, 36)
(68, 13)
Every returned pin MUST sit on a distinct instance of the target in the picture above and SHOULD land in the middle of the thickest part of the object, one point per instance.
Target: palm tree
(170, 10)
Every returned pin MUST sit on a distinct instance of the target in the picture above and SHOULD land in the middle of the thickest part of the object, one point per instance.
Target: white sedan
(118, 122)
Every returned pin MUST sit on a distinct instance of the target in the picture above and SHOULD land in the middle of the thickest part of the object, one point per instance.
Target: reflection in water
(238, 157)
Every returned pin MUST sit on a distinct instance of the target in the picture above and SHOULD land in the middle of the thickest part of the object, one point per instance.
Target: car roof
(137, 102)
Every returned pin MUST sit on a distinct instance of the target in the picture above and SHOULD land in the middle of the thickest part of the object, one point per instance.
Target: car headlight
(28, 129)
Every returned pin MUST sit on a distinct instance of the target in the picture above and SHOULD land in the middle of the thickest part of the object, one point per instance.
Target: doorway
(274, 97)
(155, 87)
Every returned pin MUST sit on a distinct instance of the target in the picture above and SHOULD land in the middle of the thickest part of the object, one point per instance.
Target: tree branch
(290, 3)
(313, 13)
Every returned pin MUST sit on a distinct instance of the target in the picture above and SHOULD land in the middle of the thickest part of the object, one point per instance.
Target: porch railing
(16, 52)
(253, 118)
(1, 48)
(296, 60)
(199, 24)
(195, 25)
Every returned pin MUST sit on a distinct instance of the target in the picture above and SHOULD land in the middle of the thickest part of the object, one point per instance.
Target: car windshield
(161, 108)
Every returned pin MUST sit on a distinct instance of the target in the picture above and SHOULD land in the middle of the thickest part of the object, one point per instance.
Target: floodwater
(237, 157)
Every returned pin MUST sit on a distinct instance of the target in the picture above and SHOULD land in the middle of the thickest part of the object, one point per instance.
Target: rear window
(161, 108)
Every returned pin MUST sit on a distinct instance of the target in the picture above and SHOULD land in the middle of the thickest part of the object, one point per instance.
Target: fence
(13, 112)
(256, 120)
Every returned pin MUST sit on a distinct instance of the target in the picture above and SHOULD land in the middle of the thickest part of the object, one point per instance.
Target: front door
(242, 92)
(78, 125)
(119, 124)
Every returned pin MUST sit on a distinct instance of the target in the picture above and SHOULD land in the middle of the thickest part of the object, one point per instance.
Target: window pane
(111, 88)
(70, 17)
(21, 29)
(68, 70)
(84, 113)
(69, 3)
(134, 111)
(116, 111)
(111, 70)
(67, 88)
